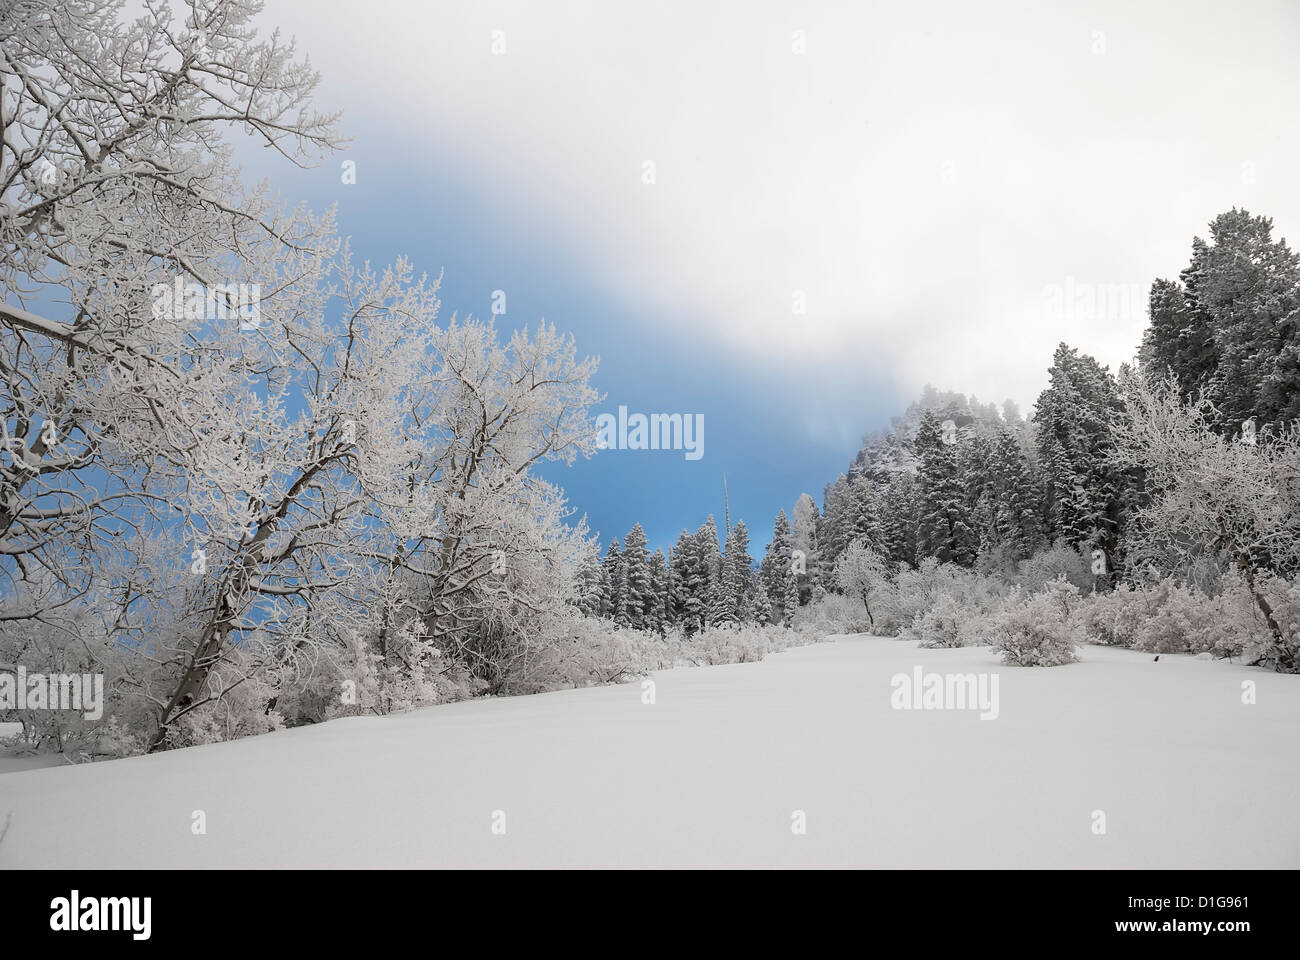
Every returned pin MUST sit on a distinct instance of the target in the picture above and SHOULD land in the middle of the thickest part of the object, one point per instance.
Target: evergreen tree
(591, 593)
(637, 569)
(735, 602)
(613, 567)
(1231, 326)
(899, 519)
(1076, 444)
(1015, 493)
(804, 537)
(774, 571)
(708, 579)
(622, 603)
(678, 575)
(697, 576)
(1003, 494)
(835, 530)
(790, 601)
(656, 616)
(944, 529)
(864, 522)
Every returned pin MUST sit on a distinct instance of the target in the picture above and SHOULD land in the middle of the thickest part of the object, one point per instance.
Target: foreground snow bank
(713, 771)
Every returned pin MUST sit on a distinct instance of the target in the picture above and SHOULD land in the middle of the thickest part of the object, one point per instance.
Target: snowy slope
(710, 774)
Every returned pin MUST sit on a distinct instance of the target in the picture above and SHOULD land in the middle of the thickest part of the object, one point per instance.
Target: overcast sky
(948, 189)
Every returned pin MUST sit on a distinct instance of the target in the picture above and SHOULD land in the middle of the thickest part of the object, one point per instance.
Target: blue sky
(927, 178)
(756, 426)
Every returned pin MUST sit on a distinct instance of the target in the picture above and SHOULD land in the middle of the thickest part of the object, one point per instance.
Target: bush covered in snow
(1038, 630)
(837, 613)
(1170, 616)
(1112, 618)
(940, 626)
(1058, 562)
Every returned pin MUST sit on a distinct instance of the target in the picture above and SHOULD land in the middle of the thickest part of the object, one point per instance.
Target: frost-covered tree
(804, 539)
(735, 604)
(117, 183)
(592, 586)
(863, 573)
(237, 468)
(790, 601)
(774, 571)
(864, 522)
(1229, 331)
(636, 569)
(696, 573)
(899, 520)
(1076, 418)
(1007, 508)
(656, 616)
(1210, 493)
(944, 523)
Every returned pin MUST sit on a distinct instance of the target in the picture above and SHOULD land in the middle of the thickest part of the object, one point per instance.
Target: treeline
(1177, 475)
(1088, 486)
(701, 584)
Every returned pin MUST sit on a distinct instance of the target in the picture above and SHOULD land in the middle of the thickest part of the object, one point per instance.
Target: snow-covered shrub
(1039, 630)
(939, 626)
(1057, 562)
(1230, 624)
(1178, 620)
(1285, 602)
(571, 650)
(955, 622)
(38, 648)
(837, 613)
(239, 708)
(917, 590)
(1113, 618)
(975, 626)
(996, 562)
(732, 643)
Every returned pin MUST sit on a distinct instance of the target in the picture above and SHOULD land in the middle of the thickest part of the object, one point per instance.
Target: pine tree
(790, 600)
(623, 605)
(656, 617)
(613, 567)
(774, 571)
(1231, 327)
(590, 596)
(606, 593)
(706, 584)
(804, 533)
(678, 575)
(734, 602)
(636, 566)
(944, 531)
(1015, 489)
(835, 531)
(864, 524)
(1075, 416)
(696, 577)
(899, 519)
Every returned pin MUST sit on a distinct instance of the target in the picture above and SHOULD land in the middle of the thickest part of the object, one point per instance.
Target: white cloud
(924, 176)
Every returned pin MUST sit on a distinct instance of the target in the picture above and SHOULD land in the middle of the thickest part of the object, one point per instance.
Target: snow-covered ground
(713, 772)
